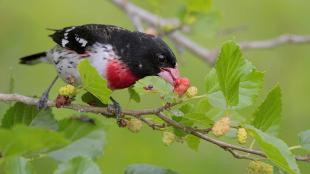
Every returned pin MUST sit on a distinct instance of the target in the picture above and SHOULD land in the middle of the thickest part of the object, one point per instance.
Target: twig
(157, 21)
(138, 113)
(239, 156)
(203, 53)
(280, 40)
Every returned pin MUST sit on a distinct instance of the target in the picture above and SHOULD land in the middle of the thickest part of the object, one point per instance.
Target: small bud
(221, 127)
(259, 167)
(168, 138)
(134, 125)
(242, 135)
(67, 90)
(167, 28)
(192, 91)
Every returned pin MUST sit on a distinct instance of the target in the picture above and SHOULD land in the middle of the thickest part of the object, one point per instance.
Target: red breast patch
(119, 75)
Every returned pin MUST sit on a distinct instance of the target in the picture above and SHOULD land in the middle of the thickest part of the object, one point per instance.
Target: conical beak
(169, 74)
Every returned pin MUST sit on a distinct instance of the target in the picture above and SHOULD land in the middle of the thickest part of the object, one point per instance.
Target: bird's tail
(33, 59)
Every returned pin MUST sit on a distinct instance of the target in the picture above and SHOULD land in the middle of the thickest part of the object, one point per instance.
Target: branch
(233, 149)
(157, 21)
(280, 40)
(201, 52)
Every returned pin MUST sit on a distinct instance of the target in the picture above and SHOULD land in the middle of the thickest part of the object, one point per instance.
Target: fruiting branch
(159, 112)
(138, 15)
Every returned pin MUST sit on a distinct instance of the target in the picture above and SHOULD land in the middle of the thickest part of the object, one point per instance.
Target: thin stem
(295, 147)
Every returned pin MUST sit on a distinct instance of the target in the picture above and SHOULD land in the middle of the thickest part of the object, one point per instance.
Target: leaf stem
(295, 147)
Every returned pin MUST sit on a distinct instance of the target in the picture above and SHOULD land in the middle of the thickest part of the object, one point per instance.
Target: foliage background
(22, 32)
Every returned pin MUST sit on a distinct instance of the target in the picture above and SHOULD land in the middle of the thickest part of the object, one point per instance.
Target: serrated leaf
(249, 88)
(45, 119)
(228, 70)
(19, 113)
(269, 112)
(199, 118)
(276, 150)
(147, 169)
(78, 165)
(93, 82)
(304, 139)
(87, 140)
(186, 108)
(17, 165)
(155, 85)
(92, 100)
(28, 140)
(205, 106)
(251, 83)
(192, 142)
(134, 95)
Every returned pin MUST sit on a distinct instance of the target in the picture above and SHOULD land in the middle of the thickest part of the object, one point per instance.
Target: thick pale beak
(169, 74)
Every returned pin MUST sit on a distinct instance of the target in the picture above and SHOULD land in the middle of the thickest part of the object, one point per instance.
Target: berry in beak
(172, 76)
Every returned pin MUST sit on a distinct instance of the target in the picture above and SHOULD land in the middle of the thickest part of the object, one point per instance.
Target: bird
(119, 55)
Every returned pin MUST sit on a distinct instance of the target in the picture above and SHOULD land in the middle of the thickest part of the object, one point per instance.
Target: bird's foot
(42, 103)
(115, 107)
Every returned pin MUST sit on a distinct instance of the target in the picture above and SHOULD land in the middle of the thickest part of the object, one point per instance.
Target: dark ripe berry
(61, 101)
(122, 122)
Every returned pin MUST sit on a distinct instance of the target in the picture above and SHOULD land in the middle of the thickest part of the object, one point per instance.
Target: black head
(145, 54)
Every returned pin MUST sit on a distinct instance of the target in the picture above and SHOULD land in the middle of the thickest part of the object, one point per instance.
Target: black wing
(78, 38)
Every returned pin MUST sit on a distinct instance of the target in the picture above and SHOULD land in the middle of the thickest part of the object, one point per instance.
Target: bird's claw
(42, 103)
(116, 108)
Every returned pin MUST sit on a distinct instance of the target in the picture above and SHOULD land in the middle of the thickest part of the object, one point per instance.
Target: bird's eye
(161, 58)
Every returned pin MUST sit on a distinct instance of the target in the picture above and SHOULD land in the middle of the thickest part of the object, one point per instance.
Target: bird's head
(148, 55)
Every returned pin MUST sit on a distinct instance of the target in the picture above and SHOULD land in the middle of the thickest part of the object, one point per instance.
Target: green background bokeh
(22, 32)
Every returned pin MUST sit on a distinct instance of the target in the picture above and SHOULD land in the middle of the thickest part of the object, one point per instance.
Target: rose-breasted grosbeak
(121, 56)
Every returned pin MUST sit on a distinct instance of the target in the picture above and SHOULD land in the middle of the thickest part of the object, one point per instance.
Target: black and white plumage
(121, 56)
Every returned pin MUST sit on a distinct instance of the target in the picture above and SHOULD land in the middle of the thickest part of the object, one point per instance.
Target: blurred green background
(23, 31)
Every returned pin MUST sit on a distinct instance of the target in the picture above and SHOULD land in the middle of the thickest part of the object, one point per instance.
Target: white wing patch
(82, 41)
(64, 42)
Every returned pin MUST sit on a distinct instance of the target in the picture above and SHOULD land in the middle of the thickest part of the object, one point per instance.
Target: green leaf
(87, 140)
(205, 106)
(147, 169)
(134, 95)
(45, 119)
(228, 69)
(155, 85)
(304, 139)
(28, 140)
(250, 86)
(192, 142)
(92, 100)
(187, 108)
(276, 150)
(199, 118)
(93, 82)
(78, 165)
(21, 113)
(251, 83)
(268, 113)
(17, 165)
